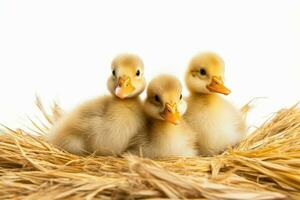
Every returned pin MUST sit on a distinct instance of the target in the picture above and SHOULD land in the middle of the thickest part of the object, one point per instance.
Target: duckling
(167, 134)
(107, 125)
(217, 122)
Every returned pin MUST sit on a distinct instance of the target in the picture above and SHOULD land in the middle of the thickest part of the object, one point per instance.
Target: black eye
(114, 73)
(156, 97)
(202, 72)
(180, 97)
(138, 73)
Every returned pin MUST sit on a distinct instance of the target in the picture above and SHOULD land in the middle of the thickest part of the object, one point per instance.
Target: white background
(62, 50)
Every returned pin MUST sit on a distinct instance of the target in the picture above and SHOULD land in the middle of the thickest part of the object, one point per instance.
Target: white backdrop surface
(62, 50)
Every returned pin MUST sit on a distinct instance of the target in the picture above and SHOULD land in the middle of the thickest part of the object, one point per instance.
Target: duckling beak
(124, 87)
(171, 113)
(217, 85)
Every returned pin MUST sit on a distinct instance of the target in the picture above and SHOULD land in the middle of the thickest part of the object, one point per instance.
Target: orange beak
(171, 113)
(217, 85)
(124, 87)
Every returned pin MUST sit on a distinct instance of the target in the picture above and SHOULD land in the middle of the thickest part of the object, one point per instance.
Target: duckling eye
(180, 96)
(156, 97)
(138, 73)
(202, 72)
(114, 73)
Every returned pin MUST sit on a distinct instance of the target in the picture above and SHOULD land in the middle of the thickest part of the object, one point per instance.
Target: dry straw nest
(264, 166)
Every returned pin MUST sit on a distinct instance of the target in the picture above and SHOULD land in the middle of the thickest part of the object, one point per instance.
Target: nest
(263, 166)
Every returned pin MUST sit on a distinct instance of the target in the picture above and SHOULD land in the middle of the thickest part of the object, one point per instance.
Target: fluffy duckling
(168, 135)
(217, 122)
(107, 125)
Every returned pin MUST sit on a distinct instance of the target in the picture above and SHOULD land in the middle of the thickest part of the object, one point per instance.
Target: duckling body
(216, 121)
(168, 140)
(106, 125)
(167, 134)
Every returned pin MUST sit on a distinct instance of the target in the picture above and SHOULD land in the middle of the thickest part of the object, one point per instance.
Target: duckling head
(164, 99)
(205, 74)
(127, 78)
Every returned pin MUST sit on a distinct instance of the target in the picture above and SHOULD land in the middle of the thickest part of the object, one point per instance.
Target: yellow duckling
(217, 122)
(167, 135)
(107, 125)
